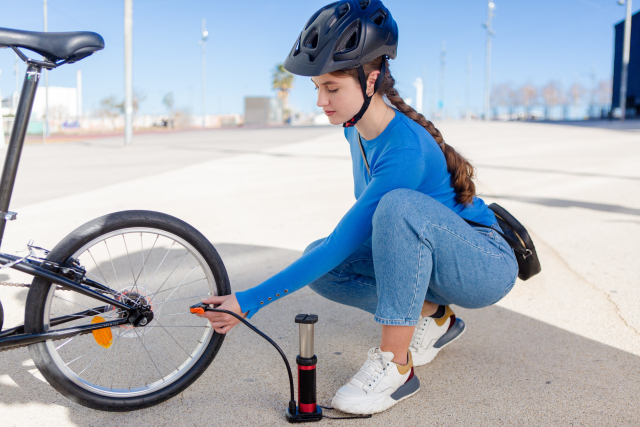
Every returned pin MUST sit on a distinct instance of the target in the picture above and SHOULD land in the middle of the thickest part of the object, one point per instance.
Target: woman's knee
(391, 205)
(313, 245)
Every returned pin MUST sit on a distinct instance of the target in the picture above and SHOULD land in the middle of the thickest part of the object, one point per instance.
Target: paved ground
(561, 349)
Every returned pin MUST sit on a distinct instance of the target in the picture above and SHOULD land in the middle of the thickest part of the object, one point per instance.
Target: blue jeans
(420, 250)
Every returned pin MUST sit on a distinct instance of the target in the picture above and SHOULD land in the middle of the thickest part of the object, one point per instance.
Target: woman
(403, 252)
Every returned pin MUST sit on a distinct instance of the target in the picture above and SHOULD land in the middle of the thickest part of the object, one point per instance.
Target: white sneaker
(431, 335)
(378, 385)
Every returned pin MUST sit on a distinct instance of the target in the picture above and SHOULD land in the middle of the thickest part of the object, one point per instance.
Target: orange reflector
(103, 337)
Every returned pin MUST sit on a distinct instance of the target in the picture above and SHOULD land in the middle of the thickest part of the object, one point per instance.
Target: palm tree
(282, 82)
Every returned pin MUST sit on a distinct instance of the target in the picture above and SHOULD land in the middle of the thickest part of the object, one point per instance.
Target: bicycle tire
(48, 358)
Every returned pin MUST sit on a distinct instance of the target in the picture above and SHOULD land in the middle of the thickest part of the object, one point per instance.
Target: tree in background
(575, 93)
(138, 97)
(513, 100)
(528, 97)
(109, 109)
(552, 96)
(604, 92)
(169, 102)
(283, 82)
(499, 96)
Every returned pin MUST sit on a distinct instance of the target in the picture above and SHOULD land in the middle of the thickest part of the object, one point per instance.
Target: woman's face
(340, 97)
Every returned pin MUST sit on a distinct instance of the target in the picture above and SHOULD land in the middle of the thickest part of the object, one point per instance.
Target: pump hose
(257, 331)
(292, 401)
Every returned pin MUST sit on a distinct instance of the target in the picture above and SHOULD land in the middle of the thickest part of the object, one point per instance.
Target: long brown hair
(461, 170)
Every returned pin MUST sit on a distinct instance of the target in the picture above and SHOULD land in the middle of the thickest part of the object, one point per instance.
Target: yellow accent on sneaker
(403, 369)
(448, 313)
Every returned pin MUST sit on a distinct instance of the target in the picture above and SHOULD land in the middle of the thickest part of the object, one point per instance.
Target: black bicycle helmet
(343, 35)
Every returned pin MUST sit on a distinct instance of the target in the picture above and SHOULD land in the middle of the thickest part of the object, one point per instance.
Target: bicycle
(101, 320)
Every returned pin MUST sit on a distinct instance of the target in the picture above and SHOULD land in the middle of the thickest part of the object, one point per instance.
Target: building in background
(63, 103)
(262, 111)
(633, 79)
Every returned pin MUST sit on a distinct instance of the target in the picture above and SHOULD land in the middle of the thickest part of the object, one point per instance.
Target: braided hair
(460, 169)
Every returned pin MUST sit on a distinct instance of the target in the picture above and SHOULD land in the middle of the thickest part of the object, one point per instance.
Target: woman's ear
(371, 82)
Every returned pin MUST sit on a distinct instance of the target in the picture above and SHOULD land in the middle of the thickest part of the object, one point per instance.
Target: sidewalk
(561, 349)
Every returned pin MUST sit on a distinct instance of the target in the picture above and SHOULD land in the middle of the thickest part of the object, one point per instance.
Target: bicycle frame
(15, 337)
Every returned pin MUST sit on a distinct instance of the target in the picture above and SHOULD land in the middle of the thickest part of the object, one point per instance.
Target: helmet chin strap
(367, 98)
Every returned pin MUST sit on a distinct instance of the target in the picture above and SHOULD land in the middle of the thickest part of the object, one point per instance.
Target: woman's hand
(223, 322)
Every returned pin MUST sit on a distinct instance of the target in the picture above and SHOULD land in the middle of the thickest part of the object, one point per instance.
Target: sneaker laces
(372, 368)
(418, 334)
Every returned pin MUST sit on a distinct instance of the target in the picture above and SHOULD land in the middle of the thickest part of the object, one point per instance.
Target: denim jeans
(420, 250)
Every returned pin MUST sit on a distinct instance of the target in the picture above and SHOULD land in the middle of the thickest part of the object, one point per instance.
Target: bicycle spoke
(168, 289)
(150, 358)
(98, 267)
(113, 345)
(144, 262)
(165, 280)
(142, 253)
(96, 358)
(173, 326)
(181, 299)
(113, 266)
(185, 278)
(165, 256)
(132, 375)
(171, 314)
(133, 276)
(185, 351)
(65, 343)
(80, 357)
(97, 278)
(56, 296)
(167, 358)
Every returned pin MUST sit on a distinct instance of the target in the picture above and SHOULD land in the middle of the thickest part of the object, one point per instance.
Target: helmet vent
(315, 15)
(342, 10)
(296, 49)
(364, 4)
(378, 18)
(351, 42)
(312, 39)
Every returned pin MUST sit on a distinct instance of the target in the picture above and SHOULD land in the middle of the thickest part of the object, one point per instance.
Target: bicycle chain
(26, 285)
(50, 339)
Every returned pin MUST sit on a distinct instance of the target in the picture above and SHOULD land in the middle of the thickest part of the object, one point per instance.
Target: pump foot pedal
(304, 417)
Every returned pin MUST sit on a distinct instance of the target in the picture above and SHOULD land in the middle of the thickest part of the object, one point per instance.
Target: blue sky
(535, 41)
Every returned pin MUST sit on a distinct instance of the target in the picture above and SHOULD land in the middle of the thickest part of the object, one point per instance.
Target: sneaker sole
(450, 336)
(405, 391)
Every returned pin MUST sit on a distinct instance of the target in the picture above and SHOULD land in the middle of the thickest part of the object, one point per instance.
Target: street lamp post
(128, 72)
(45, 130)
(487, 72)
(625, 59)
(203, 42)
(443, 56)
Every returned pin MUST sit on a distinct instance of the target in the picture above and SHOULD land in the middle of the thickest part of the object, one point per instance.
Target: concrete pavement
(561, 349)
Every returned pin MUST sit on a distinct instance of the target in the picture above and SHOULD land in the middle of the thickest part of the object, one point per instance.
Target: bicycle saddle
(70, 47)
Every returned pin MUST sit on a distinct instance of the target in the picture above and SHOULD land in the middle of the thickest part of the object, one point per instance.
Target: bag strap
(521, 249)
(518, 247)
(363, 156)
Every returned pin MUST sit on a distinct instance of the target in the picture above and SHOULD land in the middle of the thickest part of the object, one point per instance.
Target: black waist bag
(519, 240)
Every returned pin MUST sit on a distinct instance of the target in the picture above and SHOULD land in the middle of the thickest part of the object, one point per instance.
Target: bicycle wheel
(145, 257)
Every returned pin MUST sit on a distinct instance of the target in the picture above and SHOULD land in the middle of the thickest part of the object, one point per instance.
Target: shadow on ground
(630, 124)
(508, 369)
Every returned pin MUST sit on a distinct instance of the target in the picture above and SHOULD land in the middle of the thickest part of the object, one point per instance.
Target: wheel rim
(152, 264)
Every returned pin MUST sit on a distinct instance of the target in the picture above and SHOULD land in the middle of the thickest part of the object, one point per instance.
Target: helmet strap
(367, 98)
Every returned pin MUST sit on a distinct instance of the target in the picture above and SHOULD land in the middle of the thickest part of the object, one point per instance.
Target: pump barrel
(307, 361)
(306, 340)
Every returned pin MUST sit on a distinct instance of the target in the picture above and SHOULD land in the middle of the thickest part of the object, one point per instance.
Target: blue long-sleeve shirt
(404, 155)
